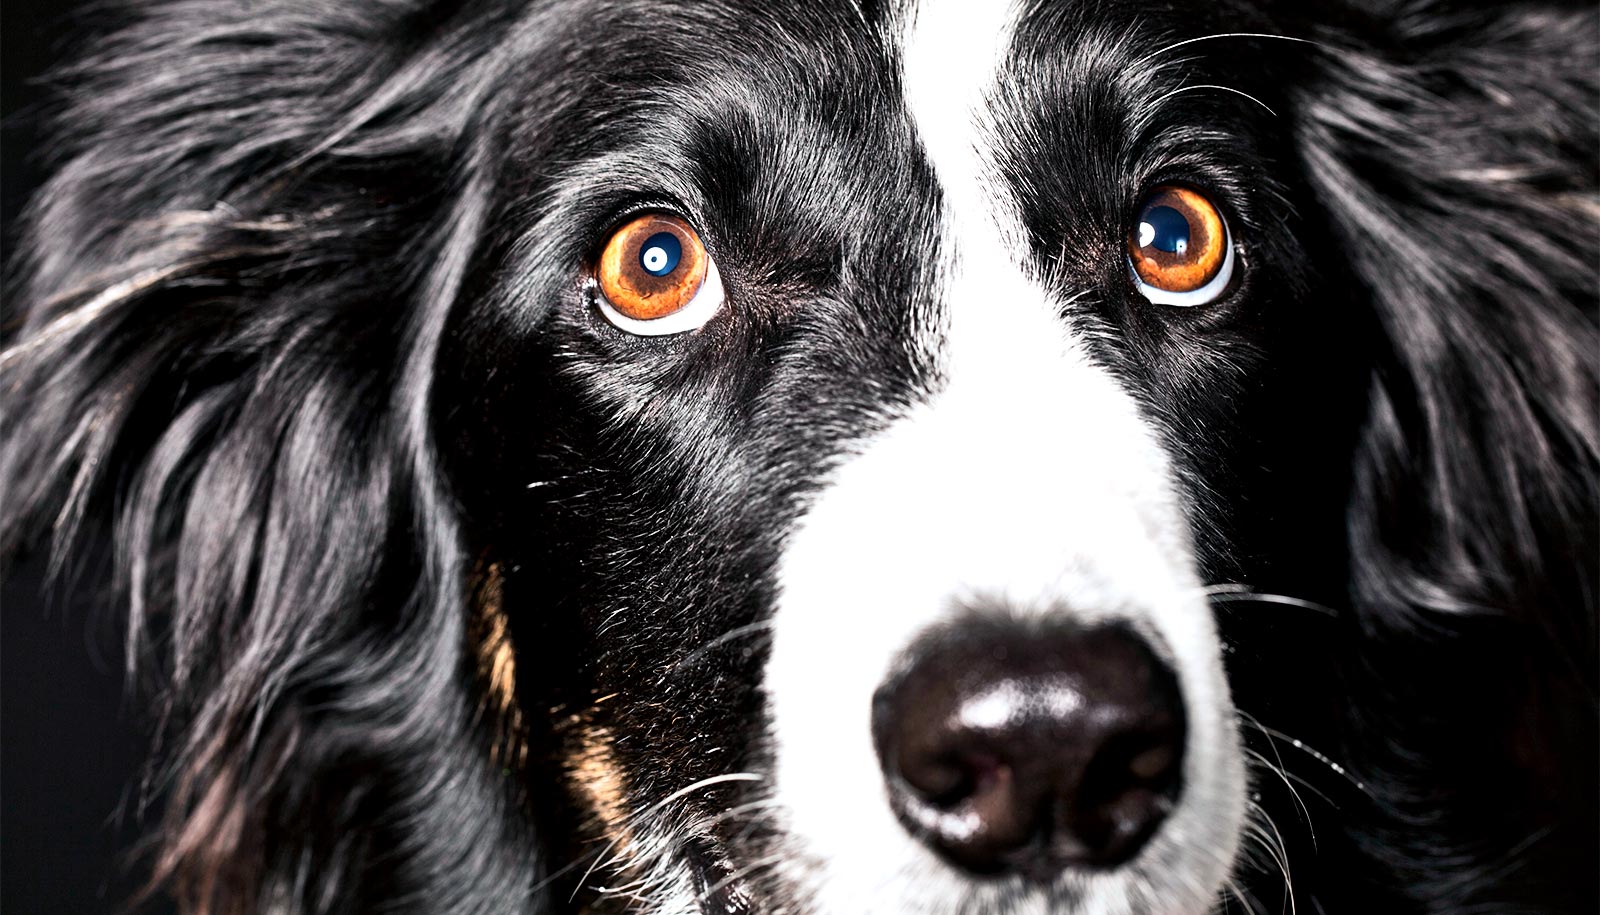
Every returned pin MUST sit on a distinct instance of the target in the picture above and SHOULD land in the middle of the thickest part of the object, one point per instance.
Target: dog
(835, 457)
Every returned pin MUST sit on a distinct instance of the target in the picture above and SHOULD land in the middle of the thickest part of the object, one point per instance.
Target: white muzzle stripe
(1028, 480)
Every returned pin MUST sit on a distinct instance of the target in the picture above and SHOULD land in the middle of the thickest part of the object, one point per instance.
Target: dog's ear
(236, 282)
(1453, 149)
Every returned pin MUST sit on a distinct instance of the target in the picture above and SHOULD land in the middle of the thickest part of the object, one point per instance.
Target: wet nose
(1028, 749)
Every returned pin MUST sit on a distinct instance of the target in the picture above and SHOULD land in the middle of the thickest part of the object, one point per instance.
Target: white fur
(1028, 477)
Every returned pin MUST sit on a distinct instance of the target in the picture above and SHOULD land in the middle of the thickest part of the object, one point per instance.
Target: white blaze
(1029, 479)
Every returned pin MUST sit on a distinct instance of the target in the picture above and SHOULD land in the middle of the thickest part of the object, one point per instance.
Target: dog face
(936, 401)
(728, 458)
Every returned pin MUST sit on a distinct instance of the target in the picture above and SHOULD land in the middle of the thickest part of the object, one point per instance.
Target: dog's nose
(1014, 748)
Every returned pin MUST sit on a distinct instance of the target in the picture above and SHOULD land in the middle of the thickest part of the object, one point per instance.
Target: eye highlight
(655, 277)
(1179, 248)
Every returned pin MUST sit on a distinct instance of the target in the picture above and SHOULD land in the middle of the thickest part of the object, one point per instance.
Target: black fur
(304, 323)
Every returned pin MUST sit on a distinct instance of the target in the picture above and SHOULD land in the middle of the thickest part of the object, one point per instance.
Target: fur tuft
(237, 281)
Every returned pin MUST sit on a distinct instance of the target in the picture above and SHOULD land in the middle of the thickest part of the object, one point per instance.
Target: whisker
(1253, 851)
(1230, 885)
(1275, 847)
(1189, 41)
(1304, 783)
(628, 890)
(567, 868)
(602, 855)
(634, 820)
(1247, 95)
(1283, 775)
(1303, 747)
(731, 635)
(732, 812)
(1237, 593)
(696, 786)
(742, 873)
(1238, 893)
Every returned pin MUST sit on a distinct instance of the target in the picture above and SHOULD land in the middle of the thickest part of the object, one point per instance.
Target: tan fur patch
(497, 666)
(599, 780)
(594, 776)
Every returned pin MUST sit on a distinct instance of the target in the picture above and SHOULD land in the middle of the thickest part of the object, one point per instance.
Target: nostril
(1127, 790)
(1015, 749)
(946, 780)
(968, 807)
(1154, 763)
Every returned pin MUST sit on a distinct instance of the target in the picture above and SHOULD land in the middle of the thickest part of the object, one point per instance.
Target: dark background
(72, 740)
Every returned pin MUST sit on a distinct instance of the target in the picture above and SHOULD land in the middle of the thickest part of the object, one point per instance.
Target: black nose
(1016, 748)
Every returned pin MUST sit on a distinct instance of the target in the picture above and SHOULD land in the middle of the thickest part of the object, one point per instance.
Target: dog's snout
(1014, 749)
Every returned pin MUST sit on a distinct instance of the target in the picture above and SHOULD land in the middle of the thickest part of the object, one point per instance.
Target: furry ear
(1452, 148)
(236, 282)
(1455, 148)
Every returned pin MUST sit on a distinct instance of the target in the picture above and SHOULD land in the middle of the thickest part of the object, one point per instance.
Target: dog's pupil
(660, 253)
(1166, 229)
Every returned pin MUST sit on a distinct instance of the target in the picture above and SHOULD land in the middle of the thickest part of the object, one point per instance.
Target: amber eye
(1179, 248)
(655, 277)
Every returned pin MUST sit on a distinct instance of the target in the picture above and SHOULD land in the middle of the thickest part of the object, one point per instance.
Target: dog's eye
(1179, 248)
(656, 278)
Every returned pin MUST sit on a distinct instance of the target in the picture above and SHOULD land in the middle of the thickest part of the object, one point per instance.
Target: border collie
(836, 457)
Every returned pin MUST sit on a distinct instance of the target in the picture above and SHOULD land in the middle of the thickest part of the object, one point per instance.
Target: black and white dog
(837, 457)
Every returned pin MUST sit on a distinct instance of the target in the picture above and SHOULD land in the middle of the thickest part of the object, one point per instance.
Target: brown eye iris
(652, 267)
(1178, 243)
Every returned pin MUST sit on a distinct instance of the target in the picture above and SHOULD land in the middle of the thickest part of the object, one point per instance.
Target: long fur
(235, 360)
(237, 286)
(1473, 521)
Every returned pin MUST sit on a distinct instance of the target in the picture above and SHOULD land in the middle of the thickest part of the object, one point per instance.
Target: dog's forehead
(953, 54)
(826, 111)
(1008, 104)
